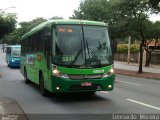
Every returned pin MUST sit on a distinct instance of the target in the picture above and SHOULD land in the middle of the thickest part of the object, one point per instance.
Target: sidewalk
(124, 68)
(10, 110)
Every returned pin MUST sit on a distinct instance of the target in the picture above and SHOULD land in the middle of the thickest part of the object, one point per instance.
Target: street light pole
(129, 47)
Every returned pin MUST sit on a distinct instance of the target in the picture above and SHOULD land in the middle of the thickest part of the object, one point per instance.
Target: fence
(155, 57)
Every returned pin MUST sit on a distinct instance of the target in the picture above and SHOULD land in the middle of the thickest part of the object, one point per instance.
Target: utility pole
(129, 52)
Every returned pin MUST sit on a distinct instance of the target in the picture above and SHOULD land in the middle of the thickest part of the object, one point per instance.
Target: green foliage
(123, 48)
(98, 10)
(156, 30)
(27, 26)
(124, 17)
(15, 36)
(55, 17)
(7, 23)
(24, 27)
(155, 5)
(134, 48)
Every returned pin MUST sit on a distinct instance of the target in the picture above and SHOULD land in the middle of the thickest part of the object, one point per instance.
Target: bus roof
(63, 22)
(15, 45)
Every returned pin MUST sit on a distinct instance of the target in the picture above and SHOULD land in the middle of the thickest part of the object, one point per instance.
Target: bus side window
(47, 39)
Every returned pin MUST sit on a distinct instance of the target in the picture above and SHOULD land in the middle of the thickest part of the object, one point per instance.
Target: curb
(148, 75)
(11, 110)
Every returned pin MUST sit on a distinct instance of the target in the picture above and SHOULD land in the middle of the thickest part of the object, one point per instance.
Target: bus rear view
(13, 55)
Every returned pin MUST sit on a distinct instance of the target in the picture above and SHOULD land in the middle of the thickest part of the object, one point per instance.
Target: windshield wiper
(77, 55)
(92, 57)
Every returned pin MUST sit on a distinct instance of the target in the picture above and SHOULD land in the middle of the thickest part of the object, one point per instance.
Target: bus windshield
(82, 46)
(16, 51)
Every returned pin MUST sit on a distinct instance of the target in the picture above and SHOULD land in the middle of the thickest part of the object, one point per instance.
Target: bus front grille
(81, 77)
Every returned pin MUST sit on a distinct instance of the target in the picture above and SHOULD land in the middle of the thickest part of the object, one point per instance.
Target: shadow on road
(76, 97)
(14, 67)
(71, 97)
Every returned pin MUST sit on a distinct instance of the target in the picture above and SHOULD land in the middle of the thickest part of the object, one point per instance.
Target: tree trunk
(148, 58)
(141, 50)
(141, 58)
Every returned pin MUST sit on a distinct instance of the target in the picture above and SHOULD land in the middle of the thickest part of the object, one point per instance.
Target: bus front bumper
(69, 85)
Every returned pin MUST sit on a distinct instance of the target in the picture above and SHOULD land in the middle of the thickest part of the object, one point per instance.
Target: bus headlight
(12, 60)
(57, 73)
(111, 71)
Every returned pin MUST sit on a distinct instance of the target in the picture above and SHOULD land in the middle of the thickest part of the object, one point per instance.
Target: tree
(137, 11)
(125, 17)
(27, 26)
(15, 36)
(155, 5)
(55, 17)
(153, 35)
(106, 11)
(98, 10)
(24, 27)
(7, 23)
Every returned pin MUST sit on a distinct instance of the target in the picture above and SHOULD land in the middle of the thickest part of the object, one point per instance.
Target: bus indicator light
(70, 30)
(61, 30)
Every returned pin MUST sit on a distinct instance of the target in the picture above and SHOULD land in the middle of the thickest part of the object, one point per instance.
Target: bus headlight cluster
(57, 73)
(111, 71)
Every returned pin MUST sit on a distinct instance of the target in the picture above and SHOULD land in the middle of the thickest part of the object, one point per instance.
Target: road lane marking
(104, 92)
(144, 104)
(127, 82)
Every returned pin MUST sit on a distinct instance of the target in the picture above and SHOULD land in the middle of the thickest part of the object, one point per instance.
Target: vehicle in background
(68, 56)
(4, 47)
(13, 55)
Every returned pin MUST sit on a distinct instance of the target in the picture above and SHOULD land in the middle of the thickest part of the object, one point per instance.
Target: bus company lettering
(98, 71)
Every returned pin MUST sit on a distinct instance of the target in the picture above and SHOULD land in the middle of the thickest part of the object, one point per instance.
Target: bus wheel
(43, 91)
(25, 77)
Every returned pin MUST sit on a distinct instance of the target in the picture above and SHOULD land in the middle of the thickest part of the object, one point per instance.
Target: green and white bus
(68, 56)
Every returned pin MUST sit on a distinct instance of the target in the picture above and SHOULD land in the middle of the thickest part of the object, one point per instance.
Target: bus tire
(25, 77)
(43, 91)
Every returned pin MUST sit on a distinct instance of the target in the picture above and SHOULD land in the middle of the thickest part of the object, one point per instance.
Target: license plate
(86, 84)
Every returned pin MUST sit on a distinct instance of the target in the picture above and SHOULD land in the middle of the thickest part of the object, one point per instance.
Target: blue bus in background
(13, 55)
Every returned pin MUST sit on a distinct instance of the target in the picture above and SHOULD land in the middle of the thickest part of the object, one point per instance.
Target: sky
(27, 10)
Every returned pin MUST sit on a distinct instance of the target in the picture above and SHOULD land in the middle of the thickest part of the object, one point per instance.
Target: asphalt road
(131, 95)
